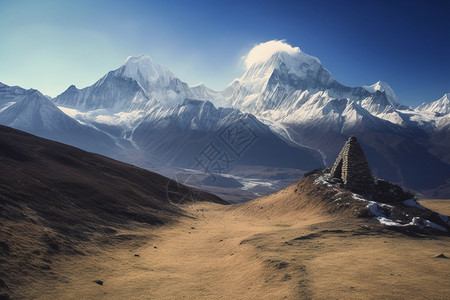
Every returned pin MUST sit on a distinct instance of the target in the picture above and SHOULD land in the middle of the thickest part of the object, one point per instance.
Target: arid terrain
(439, 205)
(240, 253)
(159, 240)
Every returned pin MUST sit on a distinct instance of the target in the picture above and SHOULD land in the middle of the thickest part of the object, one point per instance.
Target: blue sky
(49, 45)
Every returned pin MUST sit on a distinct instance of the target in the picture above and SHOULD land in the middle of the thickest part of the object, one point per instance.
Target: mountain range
(285, 116)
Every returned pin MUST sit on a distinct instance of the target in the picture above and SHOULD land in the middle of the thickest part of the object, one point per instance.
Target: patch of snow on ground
(387, 221)
(418, 221)
(323, 179)
(375, 209)
(359, 197)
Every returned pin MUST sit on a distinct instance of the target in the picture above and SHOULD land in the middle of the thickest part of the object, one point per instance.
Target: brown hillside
(54, 199)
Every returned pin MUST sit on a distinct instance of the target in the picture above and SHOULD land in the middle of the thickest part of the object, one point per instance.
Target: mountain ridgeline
(286, 112)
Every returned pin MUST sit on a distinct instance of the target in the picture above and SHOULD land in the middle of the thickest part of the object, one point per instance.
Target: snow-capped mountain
(282, 84)
(169, 123)
(10, 95)
(293, 110)
(384, 87)
(439, 107)
(266, 85)
(30, 111)
(121, 99)
(179, 135)
(138, 84)
(293, 93)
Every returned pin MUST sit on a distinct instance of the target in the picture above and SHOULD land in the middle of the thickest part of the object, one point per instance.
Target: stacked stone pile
(352, 168)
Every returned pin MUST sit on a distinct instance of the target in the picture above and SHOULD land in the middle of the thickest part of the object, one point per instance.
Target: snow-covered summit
(137, 85)
(35, 113)
(142, 69)
(441, 106)
(273, 76)
(297, 63)
(281, 80)
(384, 87)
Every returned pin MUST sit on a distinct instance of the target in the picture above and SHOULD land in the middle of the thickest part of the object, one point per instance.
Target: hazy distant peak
(138, 58)
(72, 88)
(143, 69)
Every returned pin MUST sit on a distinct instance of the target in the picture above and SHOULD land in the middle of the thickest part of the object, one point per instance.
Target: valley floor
(227, 252)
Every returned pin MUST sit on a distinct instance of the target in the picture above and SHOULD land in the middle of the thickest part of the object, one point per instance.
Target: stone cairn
(352, 168)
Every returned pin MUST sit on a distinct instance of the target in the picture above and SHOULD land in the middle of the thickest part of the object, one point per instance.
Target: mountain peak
(71, 88)
(135, 64)
(292, 61)
(264, 52)
(144, 70)
(440, 106)
(143, 58)
(384, 87)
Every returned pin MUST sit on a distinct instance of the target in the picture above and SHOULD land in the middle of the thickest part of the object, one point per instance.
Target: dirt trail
(225, 252)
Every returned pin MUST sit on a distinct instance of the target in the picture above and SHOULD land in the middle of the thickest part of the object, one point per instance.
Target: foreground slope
(56, 199)
(295, 244)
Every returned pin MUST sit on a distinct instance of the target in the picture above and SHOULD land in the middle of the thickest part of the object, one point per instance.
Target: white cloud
(264, 51)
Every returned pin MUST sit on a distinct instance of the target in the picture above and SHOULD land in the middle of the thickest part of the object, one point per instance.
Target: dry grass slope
(59, 200)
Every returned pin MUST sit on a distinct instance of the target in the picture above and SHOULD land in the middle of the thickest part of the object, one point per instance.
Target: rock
(281, 265)
(99, 282)
(441, 256)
